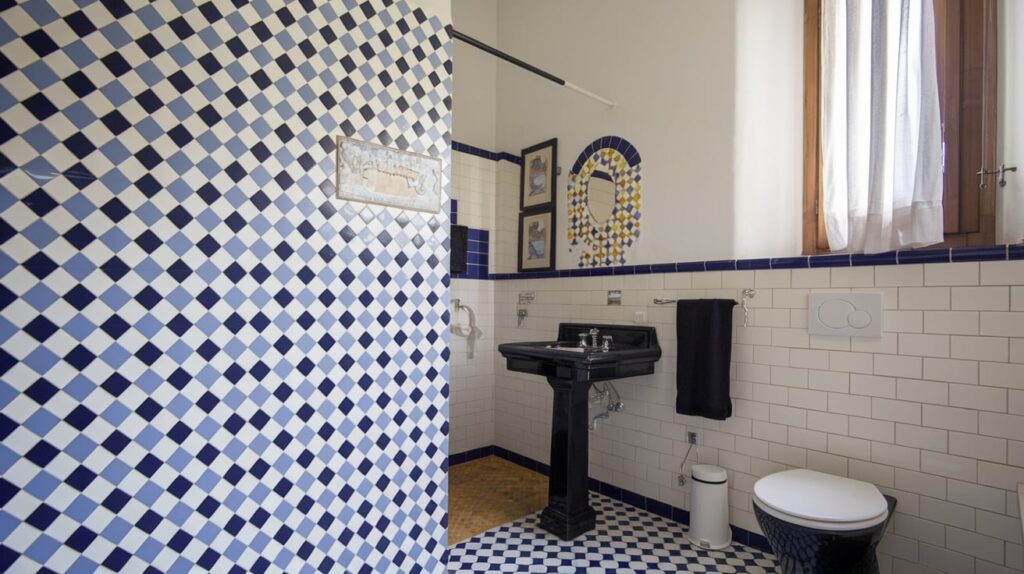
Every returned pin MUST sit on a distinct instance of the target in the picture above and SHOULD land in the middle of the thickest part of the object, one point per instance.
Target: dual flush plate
(845, 314)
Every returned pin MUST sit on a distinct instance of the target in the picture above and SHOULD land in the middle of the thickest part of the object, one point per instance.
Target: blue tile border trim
(662, 509)
(481, 152)
(906, 257)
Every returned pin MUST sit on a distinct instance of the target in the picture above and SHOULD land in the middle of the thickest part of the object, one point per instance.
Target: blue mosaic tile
(862, 259)
(790, 262)
(748, 264)
(212, 364)
(924, 256)
(655, 544)
(834, 260)
(1015, 252)
(690, 267)
(722, 265)
(988, 253)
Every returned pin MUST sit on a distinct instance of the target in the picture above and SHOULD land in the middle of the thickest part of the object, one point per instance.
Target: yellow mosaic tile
(489, 492)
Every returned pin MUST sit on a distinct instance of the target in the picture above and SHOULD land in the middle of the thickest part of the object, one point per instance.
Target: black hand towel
(704, 330)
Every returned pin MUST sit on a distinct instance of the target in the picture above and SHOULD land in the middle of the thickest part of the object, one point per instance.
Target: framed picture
(537, 175)
(372, 173)
(537, 240)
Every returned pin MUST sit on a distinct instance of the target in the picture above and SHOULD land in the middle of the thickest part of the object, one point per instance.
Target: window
(966, 51)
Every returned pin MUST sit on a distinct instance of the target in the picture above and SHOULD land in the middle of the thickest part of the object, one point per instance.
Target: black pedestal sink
(570, 369)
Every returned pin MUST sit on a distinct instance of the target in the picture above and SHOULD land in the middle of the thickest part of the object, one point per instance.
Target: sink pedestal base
(568, 513)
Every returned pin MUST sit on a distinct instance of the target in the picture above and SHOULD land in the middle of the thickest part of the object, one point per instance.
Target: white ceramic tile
(977, 446)
(980, 299)
(924, 298)
(940, 274)
(1002, 273)
(921, 437)
(949, 418)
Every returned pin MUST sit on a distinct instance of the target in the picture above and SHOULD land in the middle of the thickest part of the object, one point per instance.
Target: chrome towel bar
(747, 295)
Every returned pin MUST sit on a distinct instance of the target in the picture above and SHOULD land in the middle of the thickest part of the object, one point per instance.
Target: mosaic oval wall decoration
(604, 243)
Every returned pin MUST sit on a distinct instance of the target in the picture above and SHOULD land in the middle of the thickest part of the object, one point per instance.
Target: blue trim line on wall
(481, 152)
(907, 257)
(662, 509)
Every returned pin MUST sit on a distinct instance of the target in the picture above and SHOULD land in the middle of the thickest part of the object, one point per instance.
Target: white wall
(474, 73)
(768, 148)
(1010, 199)
(932, 412)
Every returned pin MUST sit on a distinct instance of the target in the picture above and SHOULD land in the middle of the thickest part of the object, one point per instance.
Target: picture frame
(372, 173)
(537, 240)
(537, 173)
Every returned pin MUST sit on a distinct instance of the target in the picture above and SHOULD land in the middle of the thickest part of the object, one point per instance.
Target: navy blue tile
(690, 266)
(720, 265)
(987, 253)
(833, 260)
(862, 259)
(659, 508)
(633, 499)
(600, 271)
(643, 269)
(624, 270)
(611, 491)
(1016, 252)
(923, 256)
(790, 262)
(747, 264)
(505, 156)
(663, 268)
(680, 515)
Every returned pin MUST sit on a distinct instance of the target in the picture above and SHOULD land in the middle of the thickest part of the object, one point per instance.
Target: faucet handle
(606, 343)
(583, 339)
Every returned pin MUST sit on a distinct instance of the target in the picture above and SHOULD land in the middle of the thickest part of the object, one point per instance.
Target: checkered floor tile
(626, 540)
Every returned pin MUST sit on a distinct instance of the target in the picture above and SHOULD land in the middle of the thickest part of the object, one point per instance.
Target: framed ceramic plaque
(372, 173)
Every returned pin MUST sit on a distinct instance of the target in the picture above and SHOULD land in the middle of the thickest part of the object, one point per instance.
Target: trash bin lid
(709, 474)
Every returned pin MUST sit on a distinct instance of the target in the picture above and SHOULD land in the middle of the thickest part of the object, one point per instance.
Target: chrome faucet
(593, 337)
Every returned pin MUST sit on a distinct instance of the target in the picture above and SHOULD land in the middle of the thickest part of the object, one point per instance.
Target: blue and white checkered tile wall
(206, 361)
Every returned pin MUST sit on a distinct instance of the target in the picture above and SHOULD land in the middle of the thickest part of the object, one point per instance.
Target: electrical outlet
(691, 437)
(640, 317)
(682, 480)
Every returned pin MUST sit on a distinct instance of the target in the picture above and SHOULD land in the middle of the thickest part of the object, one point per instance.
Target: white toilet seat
(821, 501)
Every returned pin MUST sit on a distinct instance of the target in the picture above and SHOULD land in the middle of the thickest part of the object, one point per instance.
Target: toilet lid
(820, 497)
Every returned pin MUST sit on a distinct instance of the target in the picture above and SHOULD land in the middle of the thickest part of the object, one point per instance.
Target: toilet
(821, 523)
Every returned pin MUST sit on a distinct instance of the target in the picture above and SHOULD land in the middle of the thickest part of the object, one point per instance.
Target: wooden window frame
(969, 212)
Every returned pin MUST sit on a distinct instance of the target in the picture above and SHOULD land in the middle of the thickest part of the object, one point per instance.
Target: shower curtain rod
(516, 61)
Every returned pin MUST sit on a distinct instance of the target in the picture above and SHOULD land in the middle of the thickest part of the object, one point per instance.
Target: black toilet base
(801, 550)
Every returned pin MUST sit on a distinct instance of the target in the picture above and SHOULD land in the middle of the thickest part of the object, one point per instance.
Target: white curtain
(880, 125)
